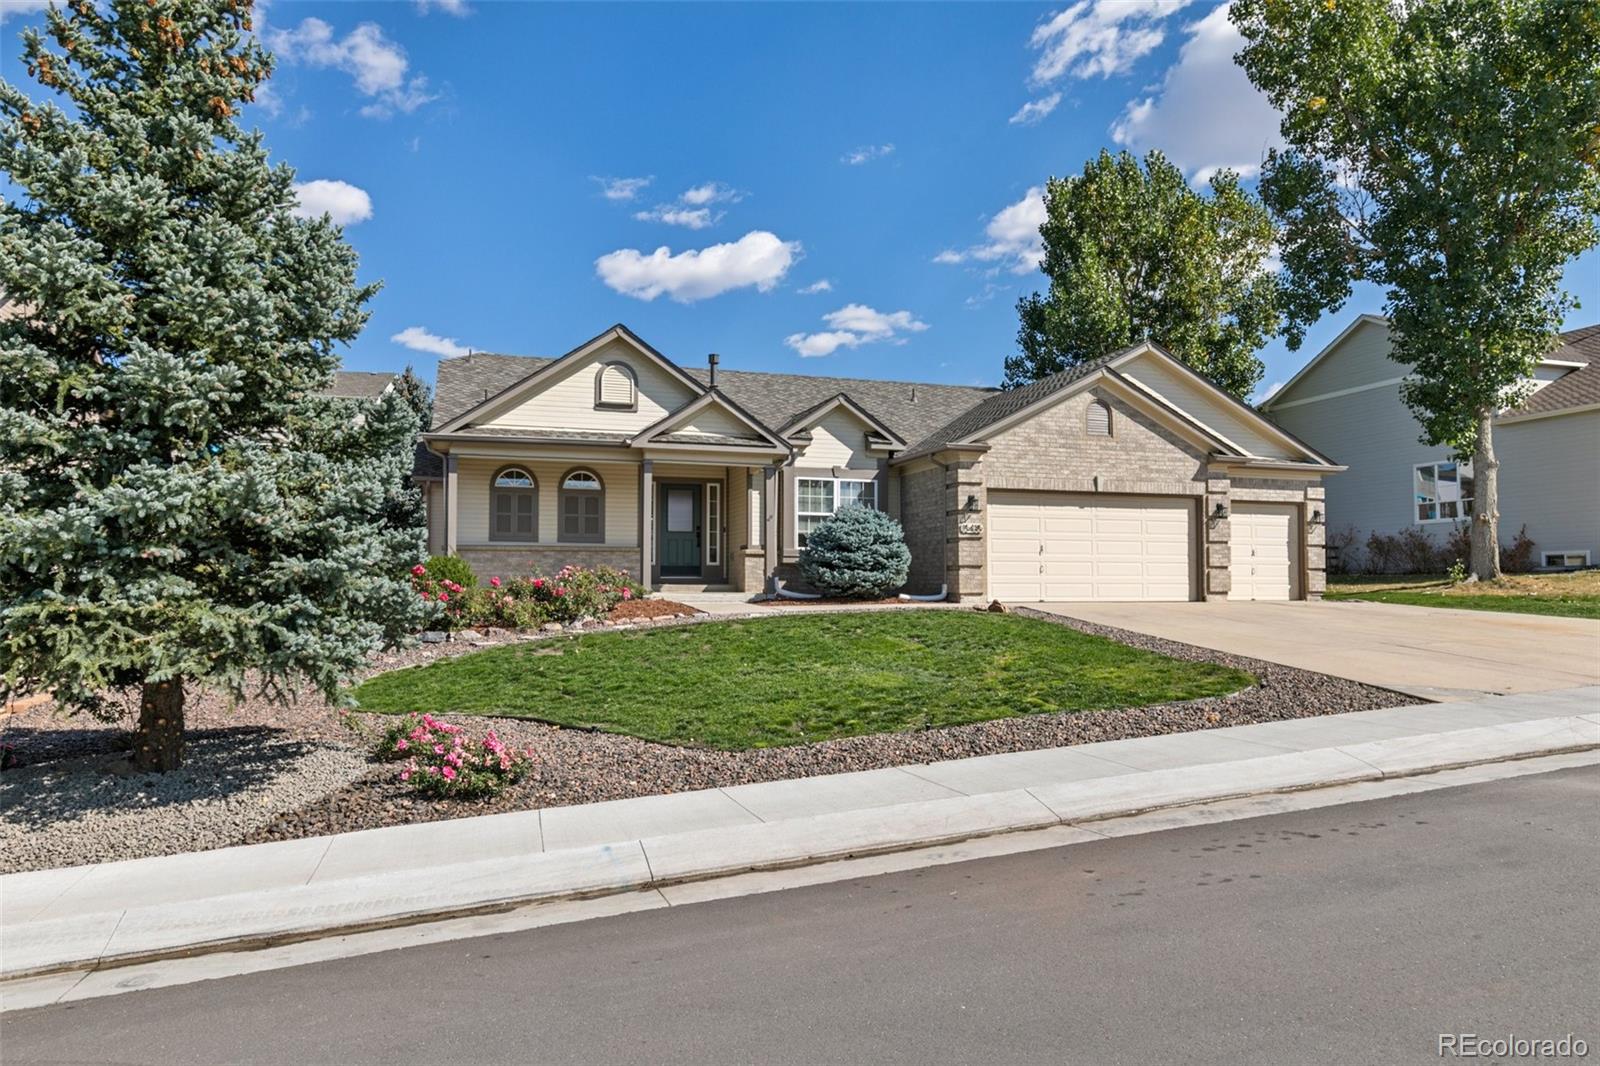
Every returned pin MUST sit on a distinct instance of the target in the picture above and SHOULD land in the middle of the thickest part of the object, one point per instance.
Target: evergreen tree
(183, 505)
(1133, 253)
(416, 394)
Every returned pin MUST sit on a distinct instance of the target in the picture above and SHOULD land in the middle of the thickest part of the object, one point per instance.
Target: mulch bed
(632, 610)
(579, 766)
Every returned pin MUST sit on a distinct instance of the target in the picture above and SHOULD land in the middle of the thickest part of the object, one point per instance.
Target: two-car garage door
(1066, 546)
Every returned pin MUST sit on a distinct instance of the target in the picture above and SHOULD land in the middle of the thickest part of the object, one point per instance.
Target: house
(361, 384)
(1131, 478)
(1346, 401)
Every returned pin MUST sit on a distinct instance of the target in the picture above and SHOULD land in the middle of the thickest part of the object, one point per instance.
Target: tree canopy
(1446, 150)
(183, 502)
(1133, 253)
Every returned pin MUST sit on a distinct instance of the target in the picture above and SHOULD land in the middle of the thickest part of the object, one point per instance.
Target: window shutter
(1099, 419)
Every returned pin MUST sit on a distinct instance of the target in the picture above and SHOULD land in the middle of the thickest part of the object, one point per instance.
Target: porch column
(452, 520)
(646, 514)
(769, 503)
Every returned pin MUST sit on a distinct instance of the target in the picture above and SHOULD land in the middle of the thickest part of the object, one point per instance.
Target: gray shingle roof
(360, 384)
(911, 409)
(1579, 388)
(713, 439)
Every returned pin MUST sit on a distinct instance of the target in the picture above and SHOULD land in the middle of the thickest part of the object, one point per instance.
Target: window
(514, 506)
(1099, 419)
(582, 508)
(818, 498)
(616, 388)
(1442, 492)
(1565, 560)
(713, 523)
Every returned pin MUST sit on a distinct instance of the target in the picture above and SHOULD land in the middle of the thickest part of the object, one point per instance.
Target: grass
(771, 682)
(1573, 595)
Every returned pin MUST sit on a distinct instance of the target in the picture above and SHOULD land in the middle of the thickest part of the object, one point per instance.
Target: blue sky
(812, 188)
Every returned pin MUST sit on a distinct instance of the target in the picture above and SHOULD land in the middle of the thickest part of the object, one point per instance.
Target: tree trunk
(158, 742)
(1485, 503)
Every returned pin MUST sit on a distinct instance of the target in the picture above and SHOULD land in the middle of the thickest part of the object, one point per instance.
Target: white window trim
(836, 482)
(1411, 486)
(1544, 557)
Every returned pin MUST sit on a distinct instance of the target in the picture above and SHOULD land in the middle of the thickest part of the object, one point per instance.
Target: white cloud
(1263, 395)
(866, 153)
(378, 65)
(340, 200)
(758, 258)
(458, 8)
(1013, 237)
(820, 285)
(420, 340)
(690, 217)
(852, 326)
(622, 188)
(1098, 37)
(14, 8)
(1205, 115)
(1035, 111)
(712, 192)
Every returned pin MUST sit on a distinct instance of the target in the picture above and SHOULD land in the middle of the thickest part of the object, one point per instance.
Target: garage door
(1265, 557)
(1059, 546)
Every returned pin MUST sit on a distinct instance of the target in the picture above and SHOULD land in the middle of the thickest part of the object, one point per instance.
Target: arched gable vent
(1099, 419)
(616, 387)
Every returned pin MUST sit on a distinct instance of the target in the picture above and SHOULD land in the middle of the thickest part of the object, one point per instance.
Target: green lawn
(793, 680)
(1574, 595)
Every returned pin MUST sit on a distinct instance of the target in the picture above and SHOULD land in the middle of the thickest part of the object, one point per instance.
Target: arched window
(513, 505)
(583, 508)
(1099, 424)
(615, 388)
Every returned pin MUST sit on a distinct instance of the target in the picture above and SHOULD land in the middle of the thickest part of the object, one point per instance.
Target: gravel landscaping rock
(320, 782)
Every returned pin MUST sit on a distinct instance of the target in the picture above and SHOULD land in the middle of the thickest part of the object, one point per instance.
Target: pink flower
(538, 582)
(402, 744)
(444, 597)
(494, 582)
(427, 596)
(418, 570)
(560, 591)
(405, 775)
(449, 773)
(627, 594)
(438, 749)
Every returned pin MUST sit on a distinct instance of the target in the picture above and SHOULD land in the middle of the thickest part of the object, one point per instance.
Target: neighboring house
(1346, 401)
(1131, 478)
(361, 384)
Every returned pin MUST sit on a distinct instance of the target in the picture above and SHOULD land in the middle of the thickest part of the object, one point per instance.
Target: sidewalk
(119, 913)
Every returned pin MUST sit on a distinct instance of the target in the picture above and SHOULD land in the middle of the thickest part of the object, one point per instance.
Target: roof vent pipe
(713, 359)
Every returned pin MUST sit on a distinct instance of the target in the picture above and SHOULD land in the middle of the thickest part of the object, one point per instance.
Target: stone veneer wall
(520, 559)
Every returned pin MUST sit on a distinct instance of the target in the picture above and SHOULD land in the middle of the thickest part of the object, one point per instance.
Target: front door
(679, 523)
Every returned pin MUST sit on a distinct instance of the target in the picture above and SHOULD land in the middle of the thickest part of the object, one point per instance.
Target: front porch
(678, 522)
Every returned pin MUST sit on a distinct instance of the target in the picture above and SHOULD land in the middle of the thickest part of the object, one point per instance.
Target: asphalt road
(1352, 934)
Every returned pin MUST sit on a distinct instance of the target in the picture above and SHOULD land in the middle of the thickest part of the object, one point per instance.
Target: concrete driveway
(1432, 652)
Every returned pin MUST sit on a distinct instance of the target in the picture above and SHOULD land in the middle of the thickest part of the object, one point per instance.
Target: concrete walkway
(117, 913)
(1434, 653)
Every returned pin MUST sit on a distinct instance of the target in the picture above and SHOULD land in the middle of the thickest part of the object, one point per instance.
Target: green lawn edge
(772, 682)
(1565, 608)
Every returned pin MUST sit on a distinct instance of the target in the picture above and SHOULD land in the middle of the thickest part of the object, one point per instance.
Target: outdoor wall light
(972, 503)
(1316, 515)
(1221, 511)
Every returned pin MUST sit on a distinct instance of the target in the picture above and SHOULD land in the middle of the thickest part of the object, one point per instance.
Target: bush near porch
(573, 592)
(780, 681)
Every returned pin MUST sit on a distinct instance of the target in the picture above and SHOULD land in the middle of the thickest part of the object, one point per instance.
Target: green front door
(679, 525)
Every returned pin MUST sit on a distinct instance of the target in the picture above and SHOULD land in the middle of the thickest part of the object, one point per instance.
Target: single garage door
(1062, 546)
(1265, 555)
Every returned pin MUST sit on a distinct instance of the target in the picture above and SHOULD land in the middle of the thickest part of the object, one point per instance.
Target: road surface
(1356, 933)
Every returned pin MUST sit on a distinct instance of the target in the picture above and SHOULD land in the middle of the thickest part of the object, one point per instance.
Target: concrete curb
(271, 917)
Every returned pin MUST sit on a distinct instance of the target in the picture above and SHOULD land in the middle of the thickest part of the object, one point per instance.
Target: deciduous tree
(1446, 150)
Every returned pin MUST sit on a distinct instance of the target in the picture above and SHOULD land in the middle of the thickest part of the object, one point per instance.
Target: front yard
(1574, 595)
(771, 682)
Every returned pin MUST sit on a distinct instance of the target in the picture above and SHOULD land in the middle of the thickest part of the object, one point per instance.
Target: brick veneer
(515, 559)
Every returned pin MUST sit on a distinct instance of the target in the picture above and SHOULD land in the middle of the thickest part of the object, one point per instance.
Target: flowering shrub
(395, 741)
(572, 593)
(451, 568)
(442, 764)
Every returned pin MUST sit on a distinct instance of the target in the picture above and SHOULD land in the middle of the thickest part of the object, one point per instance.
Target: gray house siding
(1550, 481)
(1362, 358)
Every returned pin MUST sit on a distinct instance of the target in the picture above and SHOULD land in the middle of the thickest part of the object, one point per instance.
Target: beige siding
(839, 439)
(717, 422)
(1550, 481)
(433, 500)
(1198, 403)
(738, 519)
(621, 481)
(568, 401)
